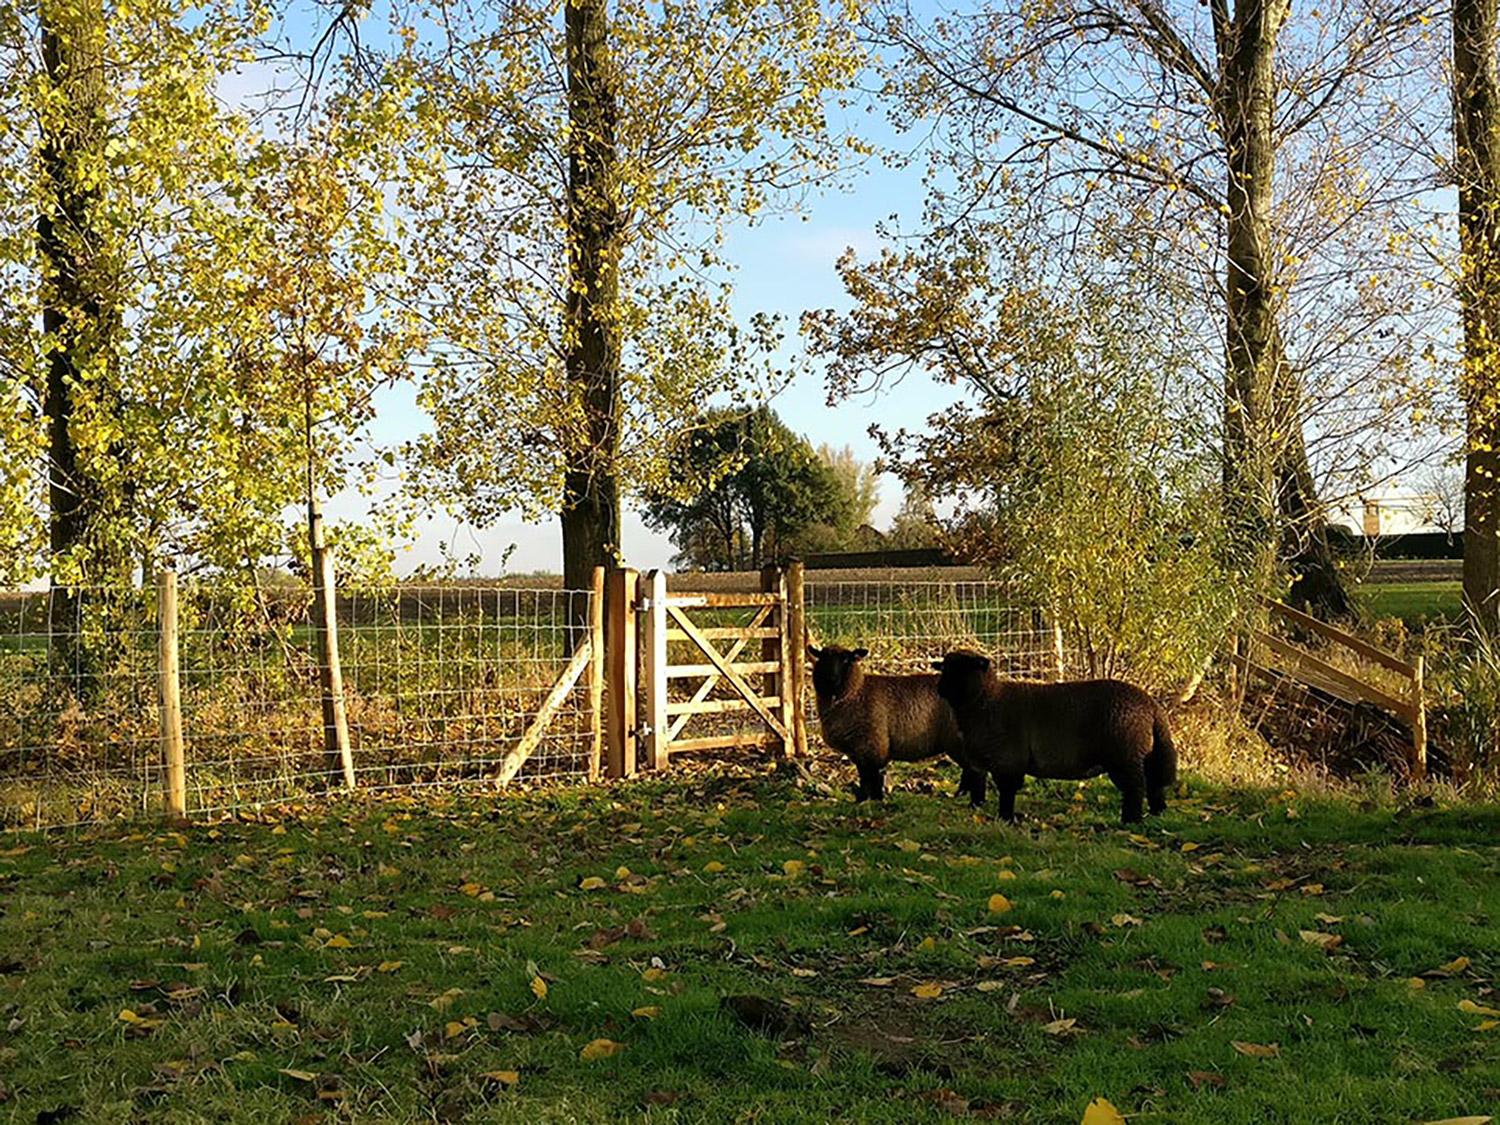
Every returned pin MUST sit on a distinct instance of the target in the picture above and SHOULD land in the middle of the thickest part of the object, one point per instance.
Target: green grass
(297, 969)
(1416, 603)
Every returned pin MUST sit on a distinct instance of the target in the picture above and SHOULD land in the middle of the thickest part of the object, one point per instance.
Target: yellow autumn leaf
(713, 867)
(592, 883)
(927, 944)
(1060, 1027)
(1487, 1025)
(649, 1012)
(1123, 920)
(999, 904)
(339, 941)
(1474, 1009)
(654, 974)
(1058, 894)
(453, 1029)
(1006, 876)
(471, 889)
(793, 867)
(1415, 983)
(539, 988)
(908, 845)
(1101, 1112)
(128, 1016)
(990, 985)
(622, 872)
(600, 1049)
(504, 1077)
(1257, 1050)
(929, 991)
(1482, 1119)
(1326, 942)
(1457, 965)
(299, 1075)
(388, 966)
(1191, 846)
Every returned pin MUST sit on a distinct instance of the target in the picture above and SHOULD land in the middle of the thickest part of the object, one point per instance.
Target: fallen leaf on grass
(299, 1075)
(713, 867)
(539, 988)
(654, 974)
(999, 904)
(929, 991)
(1101, 1112)
(878, 982)
(1457, 965)
(1474, 1009)
(388, 966)
(1202, 1078)
(600, 1049)
(592, 883)
(1480, 1120)
(1126, 920)
(793, 867)
(503, 1077)
(1061, 1027)
(1257, 1050)
(649, 1012)
(1326, 942)
(1329, 919)
(990, 985)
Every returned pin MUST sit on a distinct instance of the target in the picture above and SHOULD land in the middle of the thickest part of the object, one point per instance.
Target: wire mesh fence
(439, 683)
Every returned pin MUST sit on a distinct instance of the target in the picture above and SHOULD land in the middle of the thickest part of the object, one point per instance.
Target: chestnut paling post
(336, 748)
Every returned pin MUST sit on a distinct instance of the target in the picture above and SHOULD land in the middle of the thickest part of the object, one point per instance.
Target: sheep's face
(964, 673)
(832, 667)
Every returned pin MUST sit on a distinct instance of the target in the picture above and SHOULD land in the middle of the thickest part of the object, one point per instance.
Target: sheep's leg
(1130, 779)
(1008, 786)
(972, 784)
(871, 783)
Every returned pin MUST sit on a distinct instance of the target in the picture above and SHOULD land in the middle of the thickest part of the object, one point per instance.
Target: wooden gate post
(657, 729)
(620, 656)
(796, 608)
(596, 673)
(340, 759)
(168, 675)
(778, 683)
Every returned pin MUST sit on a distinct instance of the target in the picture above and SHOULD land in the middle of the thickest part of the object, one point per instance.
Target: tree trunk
(79, 319)
(591, 499)
(1269, 494)
(1476, 134)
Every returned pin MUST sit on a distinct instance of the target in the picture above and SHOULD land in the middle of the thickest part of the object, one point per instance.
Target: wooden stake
(1059, 664)
(174, 765)
(336, 749)
(796, 607)
(511, 764)
(596, 672)
(1419, 719)
(655, 648)
(620, 657)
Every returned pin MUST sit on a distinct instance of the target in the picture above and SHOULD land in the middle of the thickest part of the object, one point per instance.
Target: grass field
(1416, 603)
(566, 957)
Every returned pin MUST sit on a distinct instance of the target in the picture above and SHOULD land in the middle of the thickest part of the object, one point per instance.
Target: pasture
(565, 955)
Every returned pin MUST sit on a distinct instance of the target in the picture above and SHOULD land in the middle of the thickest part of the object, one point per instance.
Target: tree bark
(80, 319)
(591, 492)
(1476, 135)
(1269, 494)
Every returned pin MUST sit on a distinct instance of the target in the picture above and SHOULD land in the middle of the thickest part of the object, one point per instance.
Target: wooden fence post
(596, 672)
(620, 656)
(1059, 660)
(1419, 718)
(796, 607)
(168, 674)
(778, 683)
(654, 645)
(336, 750)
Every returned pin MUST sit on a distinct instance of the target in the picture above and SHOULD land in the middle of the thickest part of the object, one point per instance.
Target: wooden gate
(714, 655)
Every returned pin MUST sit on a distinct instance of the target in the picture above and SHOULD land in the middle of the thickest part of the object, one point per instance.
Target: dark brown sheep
(874, 719)
(1066, 730)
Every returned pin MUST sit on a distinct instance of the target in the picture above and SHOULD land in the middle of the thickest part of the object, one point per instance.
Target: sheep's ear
(860, 653)
(814, 652)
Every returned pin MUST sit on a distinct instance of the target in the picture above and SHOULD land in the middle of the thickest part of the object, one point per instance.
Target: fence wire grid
(439, 683)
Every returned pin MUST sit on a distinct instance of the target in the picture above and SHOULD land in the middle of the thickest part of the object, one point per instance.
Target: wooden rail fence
(1271, 654)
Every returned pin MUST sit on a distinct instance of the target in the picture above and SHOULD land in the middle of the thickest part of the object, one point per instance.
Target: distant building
(1393, 510)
